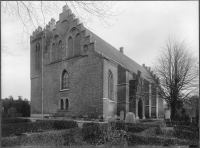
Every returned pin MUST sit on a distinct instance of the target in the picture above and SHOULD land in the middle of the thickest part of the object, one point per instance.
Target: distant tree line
(15, 108)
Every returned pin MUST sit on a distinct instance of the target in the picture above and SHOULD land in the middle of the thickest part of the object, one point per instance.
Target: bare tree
(37, 13)
(177, 69)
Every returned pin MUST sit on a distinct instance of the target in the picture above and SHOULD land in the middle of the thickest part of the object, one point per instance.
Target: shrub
(18, 128)
(107, 134)
(92, 132)
(14, 120)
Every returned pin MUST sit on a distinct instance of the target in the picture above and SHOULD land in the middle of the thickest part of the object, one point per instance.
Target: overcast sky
(141, 29)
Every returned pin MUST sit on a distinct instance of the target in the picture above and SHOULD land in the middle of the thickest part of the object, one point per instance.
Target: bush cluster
(96, 133)
(14, 120)
(18, 128)
(186, 132)
(106, 133)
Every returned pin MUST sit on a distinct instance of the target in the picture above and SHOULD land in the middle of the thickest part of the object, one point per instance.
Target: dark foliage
(156, 140)
(93, 132)
(18, 128)
(186, 132)
(22, 106)
(14, 120)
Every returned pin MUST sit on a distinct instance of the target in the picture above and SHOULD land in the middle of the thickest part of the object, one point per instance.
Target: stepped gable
(111, 52)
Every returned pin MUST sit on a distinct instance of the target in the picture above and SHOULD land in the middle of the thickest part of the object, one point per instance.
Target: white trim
(122, 84)
(64, 89)
(111, 101)
(39, 115)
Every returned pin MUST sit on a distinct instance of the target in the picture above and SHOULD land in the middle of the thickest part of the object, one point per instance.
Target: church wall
(35, 75)
(85, 85)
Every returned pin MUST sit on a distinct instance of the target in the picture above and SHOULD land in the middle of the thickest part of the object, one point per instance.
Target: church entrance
(140, 109)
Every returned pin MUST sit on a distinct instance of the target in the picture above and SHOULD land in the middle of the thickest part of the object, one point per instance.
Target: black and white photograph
(100, 74)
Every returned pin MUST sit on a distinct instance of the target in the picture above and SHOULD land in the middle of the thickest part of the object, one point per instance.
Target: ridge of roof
(114, 54)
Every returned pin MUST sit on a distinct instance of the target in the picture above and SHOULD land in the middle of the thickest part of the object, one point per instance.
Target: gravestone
(130, 118)
(167, 114)
(121, 115)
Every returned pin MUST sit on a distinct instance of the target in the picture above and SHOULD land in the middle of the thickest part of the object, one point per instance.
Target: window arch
(70, 46)
(61, 104)
(65, 80)
(85, 48)
(66, 104)
(110, 85)
(77, 45)
(53, 52)
(60, 50)
(37, 56)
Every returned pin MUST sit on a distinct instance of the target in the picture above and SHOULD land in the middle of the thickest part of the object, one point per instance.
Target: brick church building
(76, 73)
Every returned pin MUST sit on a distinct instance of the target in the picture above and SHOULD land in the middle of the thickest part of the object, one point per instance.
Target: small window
(61, 104)
(66, 104)
(85, 48)
(65, 80)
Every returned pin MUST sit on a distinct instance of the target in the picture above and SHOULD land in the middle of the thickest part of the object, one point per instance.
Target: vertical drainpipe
(42, 77)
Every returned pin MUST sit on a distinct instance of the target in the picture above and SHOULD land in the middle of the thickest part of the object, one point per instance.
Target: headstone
(121, 115)
(130, 118)
(167, 114)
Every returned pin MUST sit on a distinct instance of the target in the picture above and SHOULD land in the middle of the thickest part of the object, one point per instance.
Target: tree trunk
(173, 110)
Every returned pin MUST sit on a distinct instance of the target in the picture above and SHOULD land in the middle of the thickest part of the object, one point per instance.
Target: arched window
(110, 85)
(85, 48)
(66, 104)
(77, 45)
(53, 52)
(70, 47)
(65, 80)
(37, 56)
(61, 104)
(60, 50)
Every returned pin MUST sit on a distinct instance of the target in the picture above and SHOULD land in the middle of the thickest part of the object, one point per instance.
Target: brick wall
(85, 85)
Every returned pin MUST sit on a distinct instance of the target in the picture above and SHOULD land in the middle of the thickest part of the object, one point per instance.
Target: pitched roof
(114, 54)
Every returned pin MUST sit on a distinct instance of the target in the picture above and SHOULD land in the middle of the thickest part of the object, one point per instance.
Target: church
(75, 73)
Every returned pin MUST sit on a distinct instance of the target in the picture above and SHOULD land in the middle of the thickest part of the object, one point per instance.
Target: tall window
(110, 85)
(77, 45)
(70, 47)
(60, 50)
(37, 56)
(65, 80)
(53, 52)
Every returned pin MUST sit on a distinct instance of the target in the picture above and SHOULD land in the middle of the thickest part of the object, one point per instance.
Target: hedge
(14, 120)
(18, 128)
(51, 138)
(137, 139)
(176, 123)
